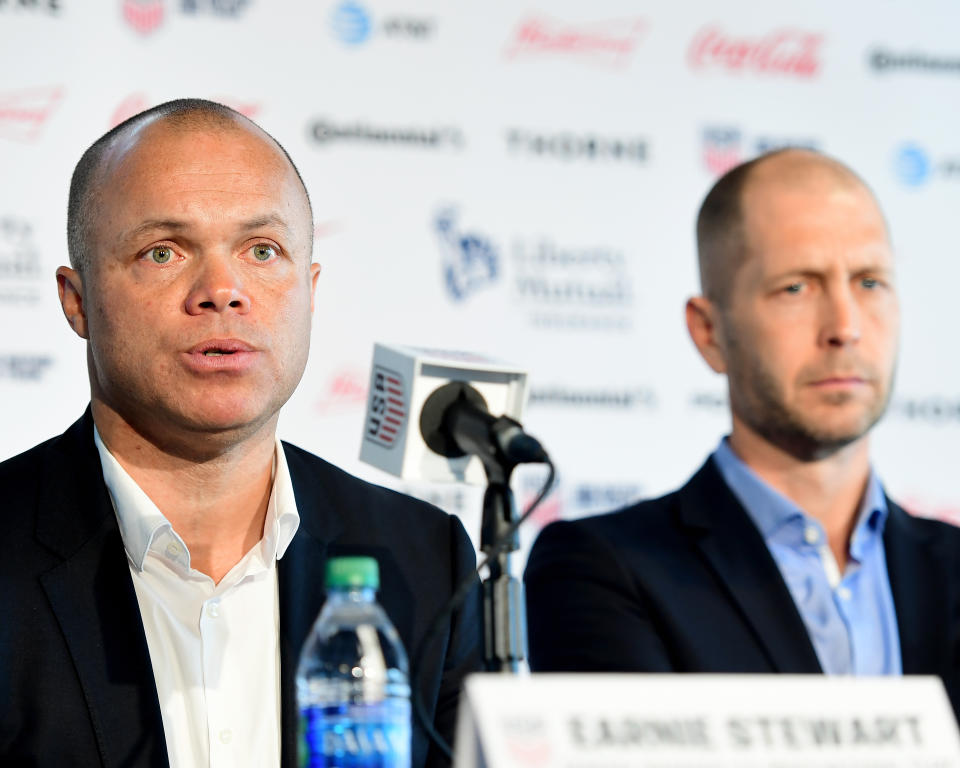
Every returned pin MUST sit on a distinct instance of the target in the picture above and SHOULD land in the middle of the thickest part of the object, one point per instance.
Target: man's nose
(841, 322)
(217, 287)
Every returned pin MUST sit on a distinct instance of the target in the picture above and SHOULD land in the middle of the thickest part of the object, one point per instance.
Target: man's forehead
(142, 141)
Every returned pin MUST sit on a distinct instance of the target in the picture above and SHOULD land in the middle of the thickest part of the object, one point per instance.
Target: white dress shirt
(214, 647)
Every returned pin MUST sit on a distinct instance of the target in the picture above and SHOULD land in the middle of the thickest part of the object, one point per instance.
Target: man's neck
(217, 505)
(829, 489)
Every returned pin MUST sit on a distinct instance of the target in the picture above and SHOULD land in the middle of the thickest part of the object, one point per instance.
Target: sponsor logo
(469, 262)
(527, 740)
(387, 409)
(453, 498)
(325, 132)
(215, 7)
(24, 113)
(345, 389)
(587, 288)
(933, 409)
(136, 103)
(884, 62)
(610, 43)
(615, 399)
(709, 401)
(575, 500)
(922, 506)
(724, 146)
(353, 24)
(788, 52)
(592, 497)
(52, 7)
(144, 16)
(24, 367)
(20, 269)
(914, 166)
(573, 146)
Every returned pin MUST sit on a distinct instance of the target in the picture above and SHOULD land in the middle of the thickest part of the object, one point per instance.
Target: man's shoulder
(651, 522)
(922, 531)
(361, 501)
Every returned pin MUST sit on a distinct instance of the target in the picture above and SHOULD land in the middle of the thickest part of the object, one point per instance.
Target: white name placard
(705, 721)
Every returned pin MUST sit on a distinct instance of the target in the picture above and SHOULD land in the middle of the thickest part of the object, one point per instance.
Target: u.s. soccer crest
(143, 15)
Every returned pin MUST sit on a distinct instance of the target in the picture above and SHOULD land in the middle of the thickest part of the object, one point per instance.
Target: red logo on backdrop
(347, 388)
(23, 113)
(143, 15)
(609, 43)
(792, 52)
(721, 149)
(136, 103)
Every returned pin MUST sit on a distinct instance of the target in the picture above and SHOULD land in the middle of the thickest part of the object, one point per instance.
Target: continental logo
(616, 399)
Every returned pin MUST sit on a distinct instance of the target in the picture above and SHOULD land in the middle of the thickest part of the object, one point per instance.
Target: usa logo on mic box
(401, 380)
(387, 409)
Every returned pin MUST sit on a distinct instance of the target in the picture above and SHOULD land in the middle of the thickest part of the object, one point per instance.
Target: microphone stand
(504, 626)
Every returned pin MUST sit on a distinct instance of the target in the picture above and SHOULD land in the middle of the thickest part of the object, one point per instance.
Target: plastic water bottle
(352, 685)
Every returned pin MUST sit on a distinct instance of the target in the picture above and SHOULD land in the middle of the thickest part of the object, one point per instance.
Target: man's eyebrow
(151, 225)
(174, 225)
(268, 220)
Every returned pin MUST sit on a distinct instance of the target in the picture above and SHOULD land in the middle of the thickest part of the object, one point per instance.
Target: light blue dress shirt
(850, 616)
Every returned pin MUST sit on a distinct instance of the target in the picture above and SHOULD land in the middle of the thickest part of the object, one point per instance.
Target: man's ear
(704, 325)
(314, 276)
(70, 288)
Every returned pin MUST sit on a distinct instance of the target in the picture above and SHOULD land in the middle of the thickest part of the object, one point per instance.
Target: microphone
(455, 421)
(431, 415)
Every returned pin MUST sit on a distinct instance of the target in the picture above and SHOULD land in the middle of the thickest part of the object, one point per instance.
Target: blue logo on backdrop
(351, 23)
(912, 165)
(470, 261)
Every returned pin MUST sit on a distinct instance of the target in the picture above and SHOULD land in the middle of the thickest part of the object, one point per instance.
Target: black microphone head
(434, 409)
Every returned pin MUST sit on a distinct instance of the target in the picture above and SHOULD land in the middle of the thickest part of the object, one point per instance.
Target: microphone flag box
(401, 379)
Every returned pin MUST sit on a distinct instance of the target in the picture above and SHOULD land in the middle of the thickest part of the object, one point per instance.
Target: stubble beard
(759, 400)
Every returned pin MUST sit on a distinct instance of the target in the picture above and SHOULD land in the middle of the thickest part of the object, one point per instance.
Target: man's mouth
(221, 355)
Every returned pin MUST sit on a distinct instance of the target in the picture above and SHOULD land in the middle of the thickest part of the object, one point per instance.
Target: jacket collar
(301, 584)
(734, 549)
(92, 596)
(919, 582)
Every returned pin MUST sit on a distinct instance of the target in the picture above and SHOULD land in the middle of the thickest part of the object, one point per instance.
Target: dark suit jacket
(685, 583)
(76, 681)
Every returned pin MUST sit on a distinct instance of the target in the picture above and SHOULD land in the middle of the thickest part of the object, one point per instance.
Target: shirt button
(844, 593)
(811, 535)
(174, 549)
(213, 611)
(226, 736)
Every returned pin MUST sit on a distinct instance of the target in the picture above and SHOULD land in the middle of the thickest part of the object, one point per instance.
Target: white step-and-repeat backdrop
(515, 179)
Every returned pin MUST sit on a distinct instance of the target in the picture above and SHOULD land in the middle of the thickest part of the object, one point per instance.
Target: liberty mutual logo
(469, 261)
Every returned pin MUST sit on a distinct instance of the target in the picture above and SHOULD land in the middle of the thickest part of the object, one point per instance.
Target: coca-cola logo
(793, 52)
(607, 43)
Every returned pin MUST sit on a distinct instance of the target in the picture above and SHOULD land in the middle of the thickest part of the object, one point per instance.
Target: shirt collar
(771, 510)
(141, 522)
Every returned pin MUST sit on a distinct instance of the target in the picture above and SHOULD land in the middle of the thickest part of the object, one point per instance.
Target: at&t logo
(353, 24)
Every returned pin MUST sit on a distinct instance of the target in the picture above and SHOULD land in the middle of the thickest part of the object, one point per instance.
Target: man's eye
(793, 288)
(264, 252)
(160, 254)
(870, 282)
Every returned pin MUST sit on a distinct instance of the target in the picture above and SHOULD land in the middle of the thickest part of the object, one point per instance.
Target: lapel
(93, 599)
(919, 586)
(300, 575)
(735, 551)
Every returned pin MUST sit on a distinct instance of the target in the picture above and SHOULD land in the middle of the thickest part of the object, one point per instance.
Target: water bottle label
(357, 736)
